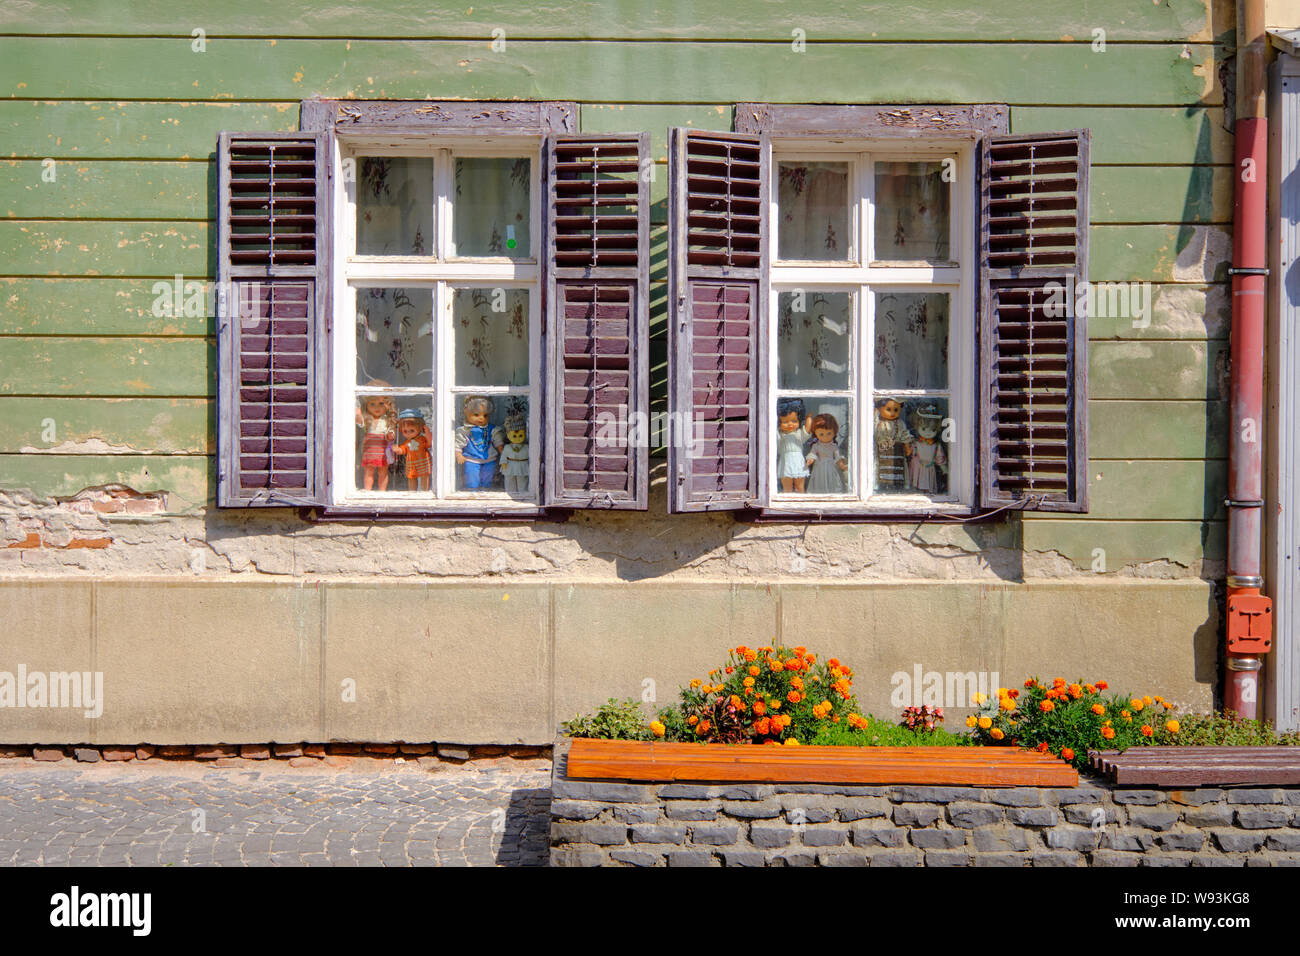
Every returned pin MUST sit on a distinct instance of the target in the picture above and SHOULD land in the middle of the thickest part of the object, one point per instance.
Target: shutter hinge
(681, 474)
(681, 312)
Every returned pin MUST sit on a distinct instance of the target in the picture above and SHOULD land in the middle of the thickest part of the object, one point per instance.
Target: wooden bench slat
(638, 761)
(1191, 766)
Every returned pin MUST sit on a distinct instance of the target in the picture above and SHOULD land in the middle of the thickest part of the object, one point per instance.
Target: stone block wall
(595, 823)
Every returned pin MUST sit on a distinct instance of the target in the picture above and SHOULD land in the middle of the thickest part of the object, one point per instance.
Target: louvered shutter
(717, 294)
(1033, 425)
(597, 321)
(270, 319)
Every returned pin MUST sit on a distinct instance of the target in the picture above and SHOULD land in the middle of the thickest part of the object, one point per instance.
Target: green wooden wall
(116, 95)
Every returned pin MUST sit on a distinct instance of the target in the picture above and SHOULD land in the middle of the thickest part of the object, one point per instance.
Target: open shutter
(1033, 426)
(270, 319)
(717, 294)
(597, 321)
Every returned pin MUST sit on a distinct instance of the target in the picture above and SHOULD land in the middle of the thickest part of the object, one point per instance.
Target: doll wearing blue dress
(793, 433)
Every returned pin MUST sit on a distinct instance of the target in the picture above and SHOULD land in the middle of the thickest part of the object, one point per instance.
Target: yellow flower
(749, 682)
(970, 721)
(657, 728)
(979, 699)
(985, 723)
(1137, 704)
(1171, 726)
(696, 682)
(1007, 704)
(791, 742)
(996, 733)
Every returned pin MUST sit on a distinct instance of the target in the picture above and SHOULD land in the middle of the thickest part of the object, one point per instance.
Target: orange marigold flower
(737, 702)
(1147, 730)
(754, 671)
(695, 682)
(761, 726)
(800, 651)
(810, 659)
(796, 683)
(1029, 683)
(1102, 685)
(1042, 747)
(1007, 704)
(1076, 691)
(1067, 753)
(996, 733)
(794, 697)
(776, 666)
(1058, 682)
(730, 670)
(1046, 706)
(835, 719)
(1090, 688)
(1013, 693)
(834, 662)
(985, 723)
(1098, 709)
(1171, 726)
(774, 704)
(792, 742)
(971, 721)
(760, 708)
(702, 727)
(1108, 733)
(1147, 700)
(657, 728)
(692, 720)
(748, 682)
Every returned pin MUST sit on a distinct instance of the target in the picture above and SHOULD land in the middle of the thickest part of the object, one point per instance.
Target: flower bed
(713, 823)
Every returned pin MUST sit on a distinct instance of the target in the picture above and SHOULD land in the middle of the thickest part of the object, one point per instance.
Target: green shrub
(880, 733)
(613, 720)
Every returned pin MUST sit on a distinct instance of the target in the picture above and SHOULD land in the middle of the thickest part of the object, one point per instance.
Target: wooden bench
(1199, 766)
(944, 766)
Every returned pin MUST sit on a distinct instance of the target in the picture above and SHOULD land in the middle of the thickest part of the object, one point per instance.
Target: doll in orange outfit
(413, 442)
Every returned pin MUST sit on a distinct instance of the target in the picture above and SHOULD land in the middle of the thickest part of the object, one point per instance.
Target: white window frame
(863, 277)
(441, 276)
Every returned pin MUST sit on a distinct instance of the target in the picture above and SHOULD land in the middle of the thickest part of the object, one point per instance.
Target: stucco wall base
(186, 661)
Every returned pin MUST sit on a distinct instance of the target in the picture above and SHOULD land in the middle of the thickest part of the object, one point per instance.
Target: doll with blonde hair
(377, 416)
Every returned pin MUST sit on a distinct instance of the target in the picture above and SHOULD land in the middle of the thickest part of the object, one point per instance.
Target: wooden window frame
(883, 130)
(416, 127)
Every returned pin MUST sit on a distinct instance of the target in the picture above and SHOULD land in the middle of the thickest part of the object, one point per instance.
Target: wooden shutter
(717, 294)
(1033, 408)
(597, 321)
(271, 258)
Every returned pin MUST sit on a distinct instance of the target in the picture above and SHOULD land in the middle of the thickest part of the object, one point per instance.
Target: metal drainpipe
(1249, 622)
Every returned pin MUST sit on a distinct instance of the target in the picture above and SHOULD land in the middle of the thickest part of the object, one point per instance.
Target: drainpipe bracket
(1247, 271)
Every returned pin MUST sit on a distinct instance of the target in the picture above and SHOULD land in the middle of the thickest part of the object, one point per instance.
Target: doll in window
(892, 440)
(413, 443)
(926, 458)
(377, 417)
(514, 456)
(826, 465)
(478, 444)
(793, 434)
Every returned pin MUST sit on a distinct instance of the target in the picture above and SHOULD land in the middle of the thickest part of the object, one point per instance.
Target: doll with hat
(413, 442)
(514, 455)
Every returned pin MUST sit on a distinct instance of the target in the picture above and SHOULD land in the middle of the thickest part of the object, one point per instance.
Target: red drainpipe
(1249, 624)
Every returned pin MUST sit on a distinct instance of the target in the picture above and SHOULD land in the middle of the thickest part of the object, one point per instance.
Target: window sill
(940, 514)
(353, 512)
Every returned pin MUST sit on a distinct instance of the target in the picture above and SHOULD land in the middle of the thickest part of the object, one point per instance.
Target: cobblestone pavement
(172, 813)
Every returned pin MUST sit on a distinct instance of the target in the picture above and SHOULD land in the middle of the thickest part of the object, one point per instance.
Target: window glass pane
(394, 206)
(911, 455)
(911, 211)
(813, 204)
(812, 445)
(490, 333)
(395, 337)
(911, 340)
(394, 442)
(486, 433)
(814, 335)
(490, 214)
